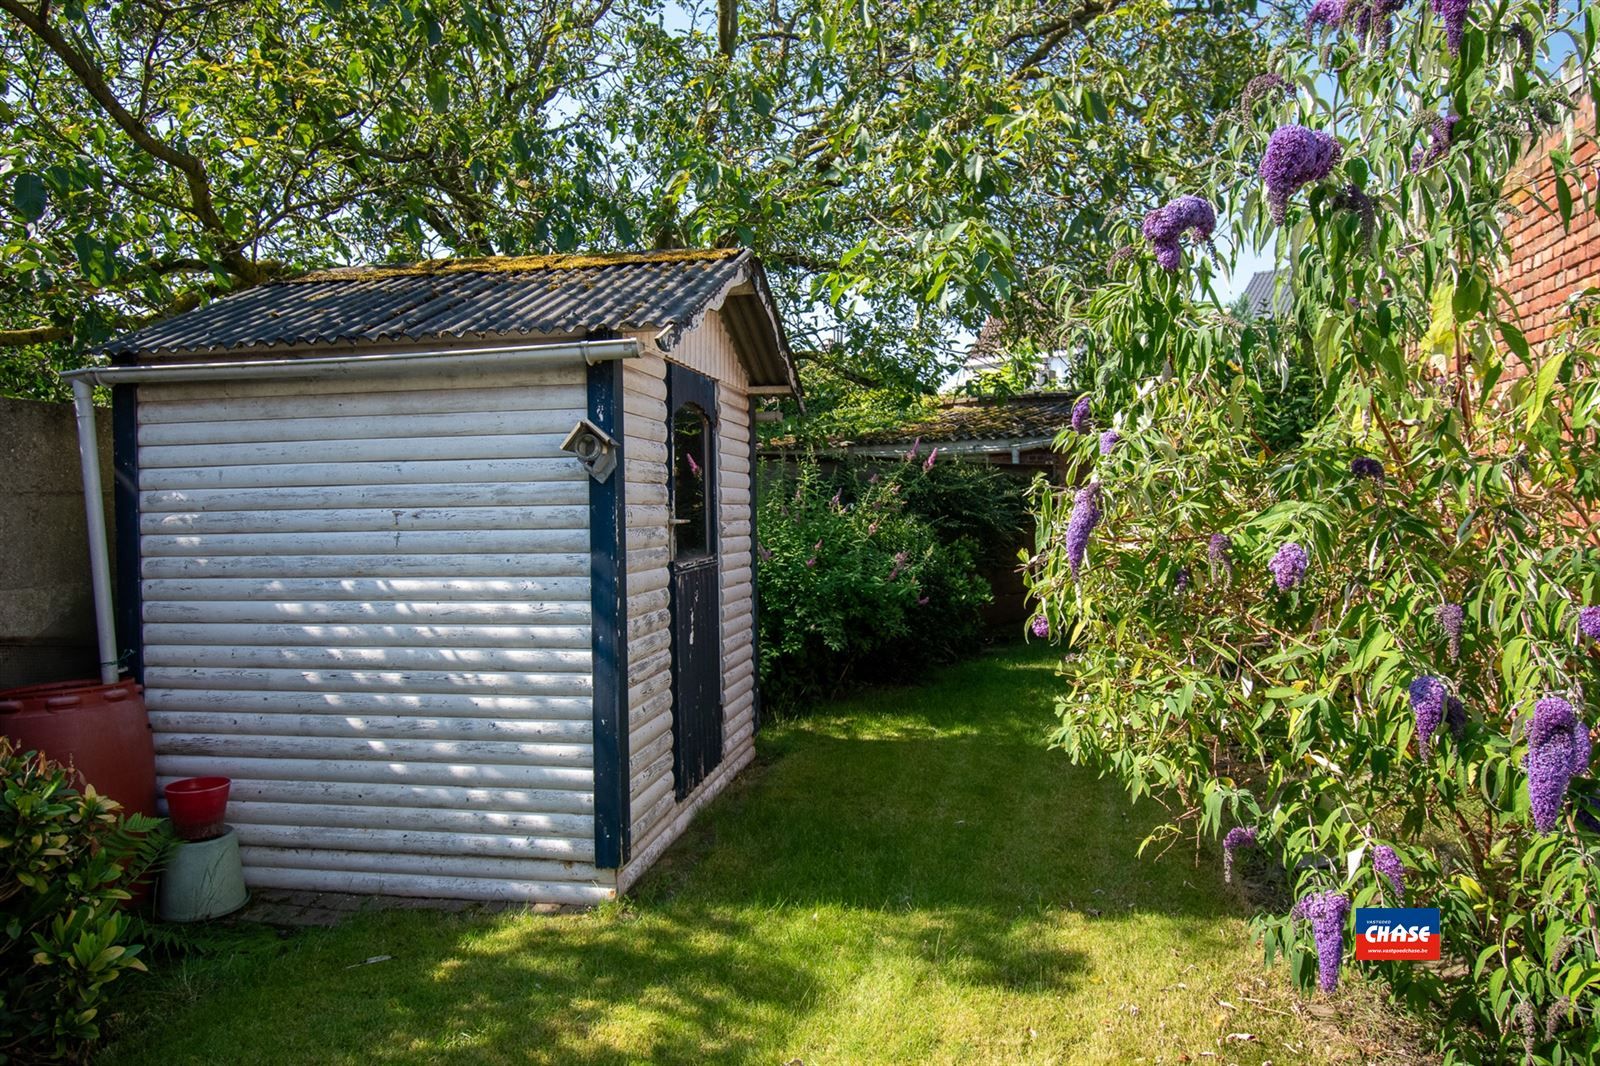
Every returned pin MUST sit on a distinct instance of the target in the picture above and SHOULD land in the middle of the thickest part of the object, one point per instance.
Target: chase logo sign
(1409, 933)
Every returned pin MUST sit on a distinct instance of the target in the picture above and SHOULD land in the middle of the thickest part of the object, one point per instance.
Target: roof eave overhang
(751, 318)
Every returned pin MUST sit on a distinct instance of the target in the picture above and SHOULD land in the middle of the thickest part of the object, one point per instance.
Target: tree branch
(30, 335)
(22, 338)
(1058, 30)
(191, 168)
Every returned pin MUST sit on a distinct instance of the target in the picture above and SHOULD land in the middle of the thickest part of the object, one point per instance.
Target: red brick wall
(1549, 261)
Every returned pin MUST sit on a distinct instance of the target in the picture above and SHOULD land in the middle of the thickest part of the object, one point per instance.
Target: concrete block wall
(46, 602)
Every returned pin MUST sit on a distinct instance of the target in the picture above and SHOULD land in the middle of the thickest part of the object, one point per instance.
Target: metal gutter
(338, 366)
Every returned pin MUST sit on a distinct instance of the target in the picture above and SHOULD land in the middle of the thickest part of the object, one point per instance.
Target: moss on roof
(515, 264)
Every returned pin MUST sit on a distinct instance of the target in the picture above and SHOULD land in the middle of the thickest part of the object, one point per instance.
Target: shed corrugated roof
(501, 298)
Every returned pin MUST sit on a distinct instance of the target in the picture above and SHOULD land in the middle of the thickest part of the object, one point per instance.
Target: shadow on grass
(904, 840)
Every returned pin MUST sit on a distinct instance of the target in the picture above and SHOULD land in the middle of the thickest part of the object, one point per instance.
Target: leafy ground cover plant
(67, 863)
(1364, 642)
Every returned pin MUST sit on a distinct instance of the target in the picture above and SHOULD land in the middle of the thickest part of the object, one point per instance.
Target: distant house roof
(499, 298)
(1265, 298)
(972, 424)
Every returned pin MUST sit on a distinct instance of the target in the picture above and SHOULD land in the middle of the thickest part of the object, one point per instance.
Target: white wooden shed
(449, 566)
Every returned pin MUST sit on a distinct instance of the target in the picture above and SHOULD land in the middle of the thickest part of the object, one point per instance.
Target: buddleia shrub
(1369, 651)
(857, 582)
(68, 860)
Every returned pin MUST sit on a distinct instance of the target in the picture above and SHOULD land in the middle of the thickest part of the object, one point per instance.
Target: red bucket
(198, 806)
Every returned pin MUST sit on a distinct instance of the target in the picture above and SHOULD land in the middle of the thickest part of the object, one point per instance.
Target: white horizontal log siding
(644, 382)
(371, 610)
(658, 819)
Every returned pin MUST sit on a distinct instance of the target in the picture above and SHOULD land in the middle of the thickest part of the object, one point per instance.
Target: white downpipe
(95, 507)
(314, 367)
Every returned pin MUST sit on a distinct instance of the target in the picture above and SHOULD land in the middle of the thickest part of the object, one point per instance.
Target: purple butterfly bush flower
(899, 564)
(1262, 85)
(1450, 617)
(1238, 837)
(1364, 466)
(922, 601)
(1376, 20)
(1325, 13)
(1440, 136)
(1326, 911)
(1289, 565)
(1219, 547)
(1589, 622)
(916, 446)
(1387, 863)
(1455, 717)
(1453, 13)
(764, 552)
(1164, 226)
(1558, 750)
(1121, 255)
(1352, 199)
(1181, 584)
(1219, 552)
(1108, 441)
(1040, 626)
(1520, 34)
(933, 457)
(1085, 516)
(1295, 157)
(1428, 696)
(1080, 415)
(811, 563)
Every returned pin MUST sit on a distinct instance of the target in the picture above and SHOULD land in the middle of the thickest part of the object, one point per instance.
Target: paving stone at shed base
(301, 909)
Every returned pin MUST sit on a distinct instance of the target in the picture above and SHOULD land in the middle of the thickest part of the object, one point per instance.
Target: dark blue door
(695, 602)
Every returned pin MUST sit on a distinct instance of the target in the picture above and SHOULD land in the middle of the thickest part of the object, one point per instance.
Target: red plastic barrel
(99, 730)
(198, 806)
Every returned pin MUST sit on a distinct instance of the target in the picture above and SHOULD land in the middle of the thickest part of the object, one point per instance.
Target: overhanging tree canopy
(904, 169)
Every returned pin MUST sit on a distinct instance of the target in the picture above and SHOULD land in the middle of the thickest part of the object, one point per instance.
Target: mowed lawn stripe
(908, 875)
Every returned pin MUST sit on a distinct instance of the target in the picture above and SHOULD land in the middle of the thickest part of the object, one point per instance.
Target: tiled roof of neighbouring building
(1265, 297)
(1022, 417)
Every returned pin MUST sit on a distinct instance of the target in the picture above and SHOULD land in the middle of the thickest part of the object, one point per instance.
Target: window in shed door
(691, 433)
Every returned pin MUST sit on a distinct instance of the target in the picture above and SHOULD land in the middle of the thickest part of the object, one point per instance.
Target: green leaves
(1543, 383)
(63, 872)
(28, 196)
(1295, 704)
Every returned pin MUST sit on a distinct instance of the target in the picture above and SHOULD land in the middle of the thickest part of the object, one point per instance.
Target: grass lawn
(905, 876)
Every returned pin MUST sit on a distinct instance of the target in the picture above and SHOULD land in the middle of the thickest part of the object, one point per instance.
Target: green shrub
(1285, 402)
(865, 576)
(67, 861)
(1412, 689)
(972, 503)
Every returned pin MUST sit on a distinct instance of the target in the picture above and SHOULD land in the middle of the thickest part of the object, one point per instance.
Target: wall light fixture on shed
(594, 448)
